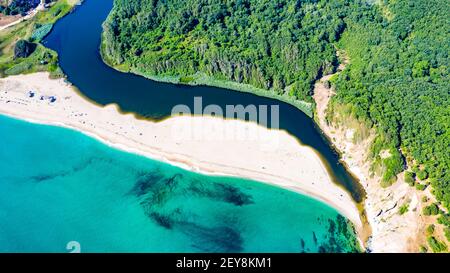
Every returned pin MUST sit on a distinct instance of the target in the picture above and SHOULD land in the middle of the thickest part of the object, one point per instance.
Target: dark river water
(76, 38)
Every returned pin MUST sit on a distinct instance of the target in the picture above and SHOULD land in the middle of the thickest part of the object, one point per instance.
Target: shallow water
(59, 186)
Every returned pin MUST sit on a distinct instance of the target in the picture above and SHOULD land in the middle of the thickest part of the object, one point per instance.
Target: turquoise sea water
(58, 186)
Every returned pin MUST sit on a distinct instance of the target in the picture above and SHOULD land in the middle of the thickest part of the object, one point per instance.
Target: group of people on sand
(52, 99)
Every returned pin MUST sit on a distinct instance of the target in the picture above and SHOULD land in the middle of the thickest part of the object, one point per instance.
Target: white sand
(277, 158)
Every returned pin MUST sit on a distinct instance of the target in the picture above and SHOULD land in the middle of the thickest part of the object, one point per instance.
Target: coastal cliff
(390, 231)
(393, 212)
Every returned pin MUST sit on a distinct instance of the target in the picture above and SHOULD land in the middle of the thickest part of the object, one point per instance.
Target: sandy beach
(256, 153)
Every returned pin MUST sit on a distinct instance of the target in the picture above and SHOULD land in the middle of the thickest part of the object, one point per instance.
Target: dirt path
(27, 17)
(322, 96)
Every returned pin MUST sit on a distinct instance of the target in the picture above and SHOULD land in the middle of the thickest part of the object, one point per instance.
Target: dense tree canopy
(23, 49)
(268, 44)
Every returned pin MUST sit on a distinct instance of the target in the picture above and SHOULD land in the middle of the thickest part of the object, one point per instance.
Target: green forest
(264, 43)
(397, 81)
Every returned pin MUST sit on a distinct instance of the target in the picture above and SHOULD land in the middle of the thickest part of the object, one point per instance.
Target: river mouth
(77, 37)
